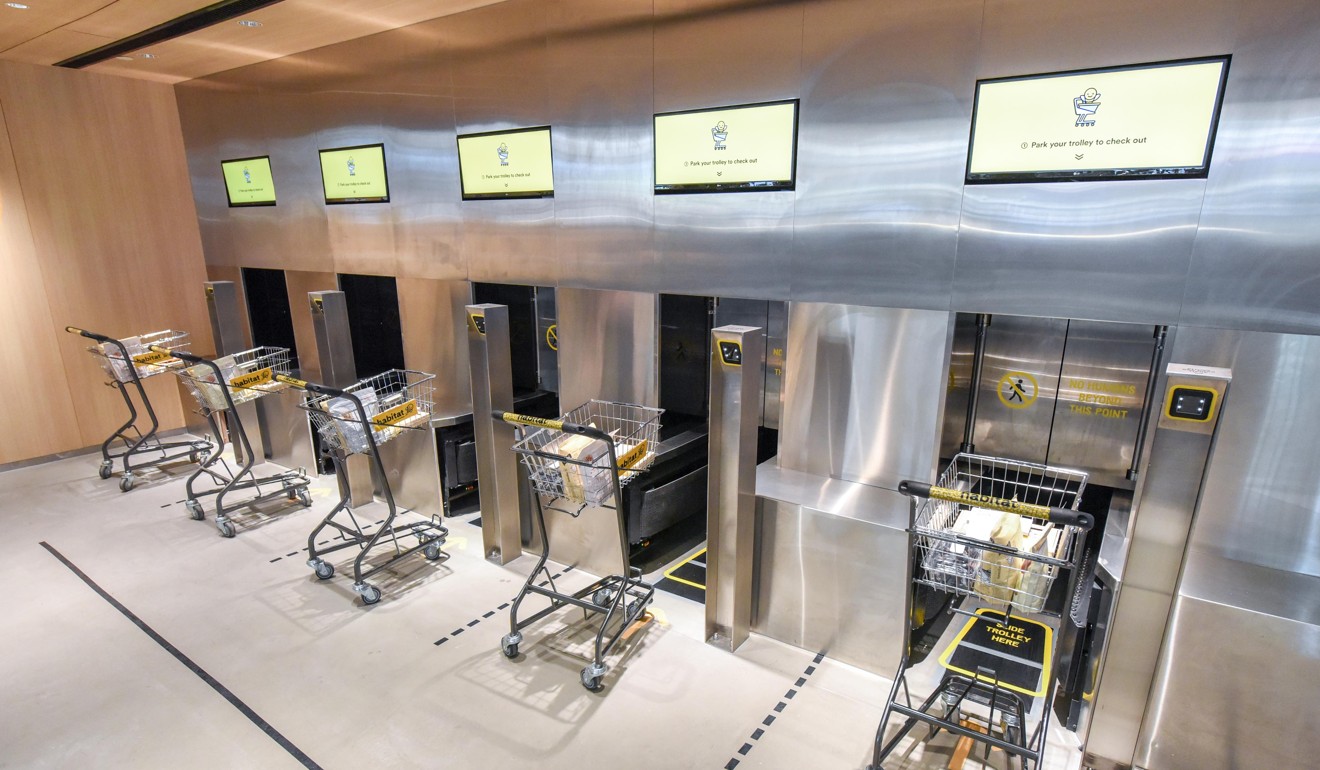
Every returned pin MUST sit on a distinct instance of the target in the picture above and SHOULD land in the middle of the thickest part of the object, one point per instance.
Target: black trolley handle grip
(179, 354)
(540, 422)
(88, 335)
(1083, 521)
(310, 387)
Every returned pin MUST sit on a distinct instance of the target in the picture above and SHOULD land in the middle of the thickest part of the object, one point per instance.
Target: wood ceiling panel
(56, 45)
(129, 17)
(19, 26)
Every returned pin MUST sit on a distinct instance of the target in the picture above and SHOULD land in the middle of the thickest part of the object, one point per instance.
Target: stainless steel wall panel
(601, 69)
(886, 98)
(864, 396)
(1019, 350)
(1253, 265)
(433, 317)
(607, 346)
(299, 284)
(832, 583)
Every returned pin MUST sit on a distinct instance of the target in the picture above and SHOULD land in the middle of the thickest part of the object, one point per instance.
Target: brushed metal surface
(832, 584)
(433, 317)
(222, 303)
(300, 283)
(607, 346)
(1101, 394)
(1018, 351)
(413, 471)
(497, 469)
(864, 396)
(547, 334)
(334, 357)
(735, 414)
(886, 101)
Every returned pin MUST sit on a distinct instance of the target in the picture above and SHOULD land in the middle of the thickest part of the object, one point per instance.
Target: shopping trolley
(219, 387)
(1035, 532)
(583, 459)
(129, 362)
(357, 420)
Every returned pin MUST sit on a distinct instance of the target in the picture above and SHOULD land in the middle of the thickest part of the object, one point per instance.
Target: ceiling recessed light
(149, 56)
(124, 58)
(19, 6)
(249, 23)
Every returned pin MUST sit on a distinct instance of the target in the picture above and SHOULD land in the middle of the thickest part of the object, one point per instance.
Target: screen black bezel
(384, 164)
(763, 186)
(512, 195)
(230, 198)
(1102, 175)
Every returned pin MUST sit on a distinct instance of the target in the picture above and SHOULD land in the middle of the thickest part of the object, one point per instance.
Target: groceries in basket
(588, 481)
(201, 380)
(349, 421)
(955, 560)
(117, 366)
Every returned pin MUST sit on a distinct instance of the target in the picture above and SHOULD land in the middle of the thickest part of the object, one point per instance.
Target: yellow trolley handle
(540, 422)
(1083, 521)
(179, 354)
(87, 334)
(311, 387)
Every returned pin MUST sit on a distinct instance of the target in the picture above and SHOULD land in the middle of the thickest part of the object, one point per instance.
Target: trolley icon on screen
(503, 152)
(1085, 107)
(720, 133)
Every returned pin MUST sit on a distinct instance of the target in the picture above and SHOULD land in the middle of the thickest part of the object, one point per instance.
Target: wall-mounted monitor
(248, 181)
(743, 148)
(506, 164)
(1144, 121)
(355, 174)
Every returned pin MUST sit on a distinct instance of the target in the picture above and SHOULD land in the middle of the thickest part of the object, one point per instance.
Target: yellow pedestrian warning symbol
(1018, 390)
(552, 336)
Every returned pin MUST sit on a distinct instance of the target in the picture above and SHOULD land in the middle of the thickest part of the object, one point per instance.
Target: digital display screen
(1140, 121)
(729, 149)
(248, 181)
(506, 164)
(355, 174)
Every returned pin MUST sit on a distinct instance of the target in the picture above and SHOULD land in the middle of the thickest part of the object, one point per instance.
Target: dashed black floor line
(487, 615)
(760, 732)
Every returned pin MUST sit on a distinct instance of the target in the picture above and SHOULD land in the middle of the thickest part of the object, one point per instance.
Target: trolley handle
(311, 387)
(540, 422)
(87, 334)
(1083, 521)
(179, 354)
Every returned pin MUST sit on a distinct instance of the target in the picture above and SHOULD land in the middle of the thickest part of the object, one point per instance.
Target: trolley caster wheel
(635, 608)
(432, 550)
(126, 483)
(226, 529)
(195, 511)
(305, 497)
(370, 594)
(602, 597)
(324, 570)
(106, 469)
(593, 676)
(509, 645)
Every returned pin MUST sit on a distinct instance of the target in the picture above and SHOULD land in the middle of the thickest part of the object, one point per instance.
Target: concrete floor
(314, 678)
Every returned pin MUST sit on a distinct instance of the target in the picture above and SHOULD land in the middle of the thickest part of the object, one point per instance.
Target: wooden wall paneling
(112, 216)
(37, 415)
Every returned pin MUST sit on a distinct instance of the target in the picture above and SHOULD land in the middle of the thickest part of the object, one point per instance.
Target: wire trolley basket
(968, 550)
(576, 467)
(394, 401)
(136, 353)
(246, 375)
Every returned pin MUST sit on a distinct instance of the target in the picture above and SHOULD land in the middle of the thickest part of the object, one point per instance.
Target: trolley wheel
(593, 676)
(195, 510)
(305, 497)
(324, 570)
(509, 645)
(196, 456)
(126, 483)
(636, 607)
(602, 597)
(106, 469)
(226, 528)
(432, 550)
(370, 595)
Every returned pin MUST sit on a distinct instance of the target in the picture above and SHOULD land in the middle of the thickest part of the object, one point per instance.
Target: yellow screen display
(355, 175)
(752, 147)
(1154, 120)
(248, 181)
(507, 164)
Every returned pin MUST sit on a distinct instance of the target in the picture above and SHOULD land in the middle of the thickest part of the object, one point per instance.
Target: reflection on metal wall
(880, 216)
(607, 345)
(865, 394)
(1019, 378)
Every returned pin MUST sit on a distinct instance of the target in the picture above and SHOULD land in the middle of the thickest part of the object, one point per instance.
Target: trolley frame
(604, 596)
(985, 689)
(431, 533)
(292, 483)
(138, 443)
